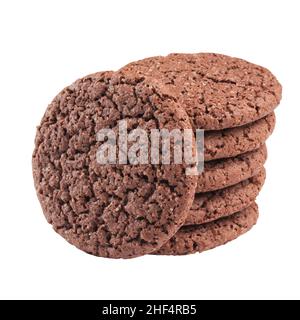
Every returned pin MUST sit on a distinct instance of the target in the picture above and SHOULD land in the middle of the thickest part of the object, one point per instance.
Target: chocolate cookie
(213, 205)
(113, 210)
(219, 174)
(234, 141)
(217, 91)
(199, 238)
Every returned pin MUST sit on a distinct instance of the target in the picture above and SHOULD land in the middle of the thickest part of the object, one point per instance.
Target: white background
(46, 45)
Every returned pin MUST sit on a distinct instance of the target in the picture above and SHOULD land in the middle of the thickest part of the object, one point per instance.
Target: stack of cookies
(124, 210)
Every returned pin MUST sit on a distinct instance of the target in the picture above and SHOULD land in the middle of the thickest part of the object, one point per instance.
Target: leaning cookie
(199, 238)
(110, 210)
(235, 141)
(213, 205)
(217, 91)
(222, 173)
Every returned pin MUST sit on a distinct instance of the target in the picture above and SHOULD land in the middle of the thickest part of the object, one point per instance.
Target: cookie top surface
(217, 91)
(113, 210)
(199, 238)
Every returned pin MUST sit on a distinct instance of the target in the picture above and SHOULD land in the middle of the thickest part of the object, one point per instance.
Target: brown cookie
(234, 141)
(114, 210)
(217, 91)
(213, 205)
(219, 174)
(199, 238)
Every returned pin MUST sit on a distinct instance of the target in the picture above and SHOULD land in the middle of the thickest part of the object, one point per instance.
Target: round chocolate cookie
(199, 238)
(235, 141)
(219, 174)
(217, 91)
(110, 210)
(213, 205)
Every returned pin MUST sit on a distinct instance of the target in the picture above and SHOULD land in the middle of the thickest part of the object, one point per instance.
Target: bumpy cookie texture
(192, 239)
(219, 174)
(116, 211)
(213, 205)
(235, 141)
(217, 91)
